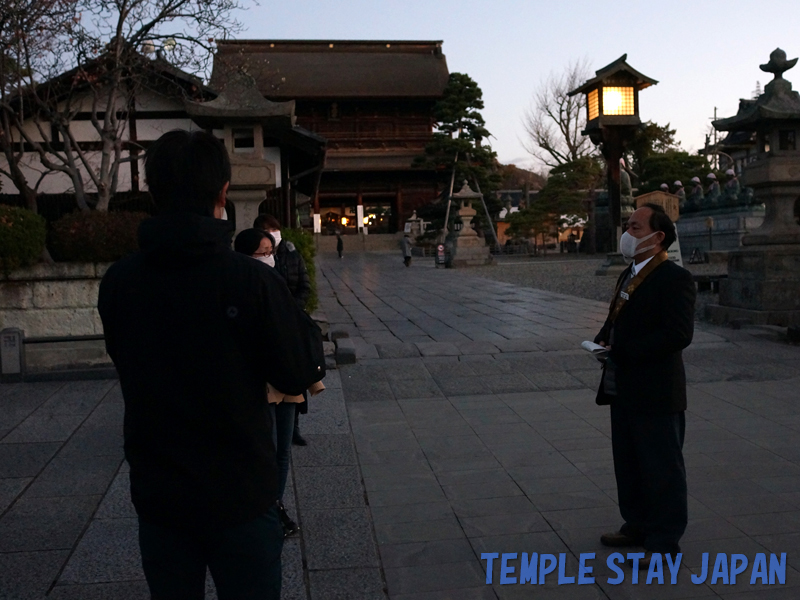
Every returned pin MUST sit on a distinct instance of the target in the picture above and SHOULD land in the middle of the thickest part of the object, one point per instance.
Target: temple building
(373, 103)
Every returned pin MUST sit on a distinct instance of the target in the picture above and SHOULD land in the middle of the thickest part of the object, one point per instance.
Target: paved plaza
(468, 425)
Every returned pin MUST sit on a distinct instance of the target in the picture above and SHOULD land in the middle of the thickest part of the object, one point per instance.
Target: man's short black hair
(660, 221)
(267, 223)
(186, 171)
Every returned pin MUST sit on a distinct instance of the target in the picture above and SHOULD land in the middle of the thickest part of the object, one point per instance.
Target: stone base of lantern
(471, 252)
(763, 287)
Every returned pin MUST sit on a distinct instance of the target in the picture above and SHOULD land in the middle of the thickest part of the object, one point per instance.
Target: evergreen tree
(460, 129)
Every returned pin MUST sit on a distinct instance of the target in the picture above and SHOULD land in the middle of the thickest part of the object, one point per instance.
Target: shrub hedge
(95, 236)
(22, 237)
(304, 242)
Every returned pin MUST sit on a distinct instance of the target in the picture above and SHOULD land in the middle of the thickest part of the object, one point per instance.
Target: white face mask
(269, 260)
(277, 237)
(224, 216)
(628, 245)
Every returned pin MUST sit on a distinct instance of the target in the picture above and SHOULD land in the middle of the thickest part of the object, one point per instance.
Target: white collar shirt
(637, 268)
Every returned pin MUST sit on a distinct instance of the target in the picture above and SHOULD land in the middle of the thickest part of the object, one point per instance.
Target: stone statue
(681, 194)
(732, 189)
(712, 192)
(626, 202)
(695, 199)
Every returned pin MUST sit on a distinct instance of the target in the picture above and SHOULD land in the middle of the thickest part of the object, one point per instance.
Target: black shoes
(617, 539)
(289, 526)
(297, 439)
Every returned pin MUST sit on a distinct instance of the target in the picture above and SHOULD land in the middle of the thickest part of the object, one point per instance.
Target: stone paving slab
(469, 425)
(514, 454)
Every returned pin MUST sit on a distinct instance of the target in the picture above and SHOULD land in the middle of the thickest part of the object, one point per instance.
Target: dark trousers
(651, 476)
(407, 261)
(245, 560)
(283, 424)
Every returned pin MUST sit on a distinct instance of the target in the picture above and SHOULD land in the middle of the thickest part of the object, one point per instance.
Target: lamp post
(612, 118)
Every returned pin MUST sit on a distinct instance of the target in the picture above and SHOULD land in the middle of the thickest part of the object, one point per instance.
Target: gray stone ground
(468, 426)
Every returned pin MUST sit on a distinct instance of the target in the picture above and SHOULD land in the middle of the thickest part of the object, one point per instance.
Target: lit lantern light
(366, 220)
(614, 93)
(344, 221)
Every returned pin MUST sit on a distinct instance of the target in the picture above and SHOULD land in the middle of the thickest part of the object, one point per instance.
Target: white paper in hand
(598, 351)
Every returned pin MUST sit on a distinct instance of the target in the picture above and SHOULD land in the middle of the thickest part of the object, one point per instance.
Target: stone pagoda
(763, 284)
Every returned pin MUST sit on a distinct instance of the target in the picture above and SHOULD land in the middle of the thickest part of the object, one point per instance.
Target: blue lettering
(635, 557)
(720, 569)
(527, 569)
(698, 579)
(506, 570)
(656, 570)
(562, 570)
(673, 567)
(759, 569)
(777, 568)
(584, 571)
(611, 563)
(738, 565)
(489, 558)
(547, 564)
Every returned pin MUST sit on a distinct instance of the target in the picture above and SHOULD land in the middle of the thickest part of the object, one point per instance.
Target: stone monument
(763, 284)
(469, 250)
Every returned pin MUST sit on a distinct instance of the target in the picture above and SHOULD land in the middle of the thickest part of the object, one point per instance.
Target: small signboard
(674, 252)
(669, 202)
(440, 258)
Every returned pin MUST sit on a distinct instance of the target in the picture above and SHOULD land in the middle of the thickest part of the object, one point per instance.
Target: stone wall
(52, 300)
(729, 227)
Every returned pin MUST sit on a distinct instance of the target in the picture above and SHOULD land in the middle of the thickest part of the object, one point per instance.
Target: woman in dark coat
(261, 246)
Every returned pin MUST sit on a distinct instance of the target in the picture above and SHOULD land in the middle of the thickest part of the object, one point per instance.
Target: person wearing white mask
(260, 245)
(290, 264)
(650, 322)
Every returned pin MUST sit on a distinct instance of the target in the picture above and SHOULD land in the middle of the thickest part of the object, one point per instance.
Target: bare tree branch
(554, 120)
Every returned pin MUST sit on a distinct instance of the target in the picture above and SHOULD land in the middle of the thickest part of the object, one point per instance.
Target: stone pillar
(360, 211)
(246, 203)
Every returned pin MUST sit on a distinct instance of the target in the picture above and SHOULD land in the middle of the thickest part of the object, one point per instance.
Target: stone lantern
(268, 151)
(763, 284)
(469, 250)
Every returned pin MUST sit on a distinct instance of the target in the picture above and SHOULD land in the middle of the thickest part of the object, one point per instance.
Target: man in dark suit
(650, 322)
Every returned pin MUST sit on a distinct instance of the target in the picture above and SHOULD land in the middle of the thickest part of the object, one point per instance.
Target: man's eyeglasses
(264, 254)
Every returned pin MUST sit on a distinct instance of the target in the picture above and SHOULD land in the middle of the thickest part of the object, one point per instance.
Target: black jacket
(195, 331)
(650, 332)
(292, 267)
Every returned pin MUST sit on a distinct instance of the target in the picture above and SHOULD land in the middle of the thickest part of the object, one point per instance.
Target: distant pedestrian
(339, 245)
(405, 243)
(196, 331)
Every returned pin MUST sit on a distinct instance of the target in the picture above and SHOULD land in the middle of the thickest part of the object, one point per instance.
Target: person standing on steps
(405, 244)
(650, 322)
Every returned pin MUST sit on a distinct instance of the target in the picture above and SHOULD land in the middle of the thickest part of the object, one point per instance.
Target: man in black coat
(650, 322)
(196, 331)
(292, 267)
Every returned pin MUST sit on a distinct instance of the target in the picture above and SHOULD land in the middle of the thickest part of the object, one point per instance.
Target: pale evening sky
(704, 53)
